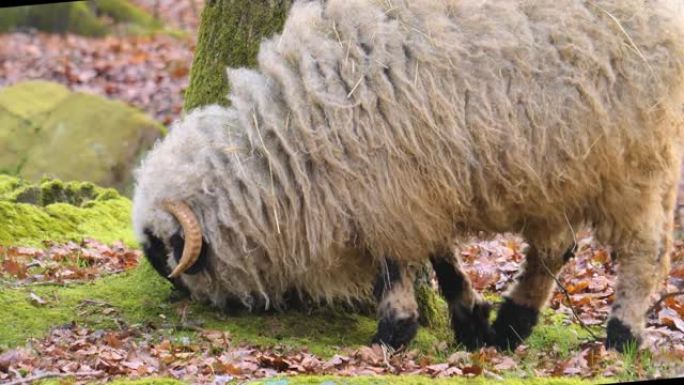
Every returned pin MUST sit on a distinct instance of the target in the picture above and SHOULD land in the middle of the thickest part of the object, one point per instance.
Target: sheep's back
(402, 120)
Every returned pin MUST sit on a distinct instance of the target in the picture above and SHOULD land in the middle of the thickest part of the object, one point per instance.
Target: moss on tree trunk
(432, 310)
(229, 36)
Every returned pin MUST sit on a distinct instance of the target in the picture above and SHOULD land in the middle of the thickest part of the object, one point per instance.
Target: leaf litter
(212, 356)
(148, 72)
(64, 263)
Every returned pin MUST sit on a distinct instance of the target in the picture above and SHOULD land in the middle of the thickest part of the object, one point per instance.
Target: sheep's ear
(156, 253)
(177, 242)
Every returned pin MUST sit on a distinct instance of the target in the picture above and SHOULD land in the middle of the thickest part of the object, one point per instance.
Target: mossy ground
(142, 297)
(136, 297)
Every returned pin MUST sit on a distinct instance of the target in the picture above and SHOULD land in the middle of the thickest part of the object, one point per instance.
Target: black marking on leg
(471, 326)
(514, 323)
(177, 242)
(451, 281)
(392, 331)
(570, 252)
(620, 336)
(395, 332)
(389, 274)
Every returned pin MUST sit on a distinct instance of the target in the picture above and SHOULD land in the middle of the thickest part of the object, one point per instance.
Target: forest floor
(90, 311)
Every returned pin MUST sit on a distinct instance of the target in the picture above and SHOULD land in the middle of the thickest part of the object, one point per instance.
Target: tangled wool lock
(374, 134)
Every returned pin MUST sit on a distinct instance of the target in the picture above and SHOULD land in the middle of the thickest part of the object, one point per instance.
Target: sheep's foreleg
(397, 308)
(519, 312)
(469, 314)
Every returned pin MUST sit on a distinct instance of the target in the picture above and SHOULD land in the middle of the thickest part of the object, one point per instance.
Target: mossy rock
(88, 18)
(46, 130)
(58, 211)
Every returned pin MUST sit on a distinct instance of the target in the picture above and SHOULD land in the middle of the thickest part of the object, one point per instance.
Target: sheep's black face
(157, 254)
(177, 243)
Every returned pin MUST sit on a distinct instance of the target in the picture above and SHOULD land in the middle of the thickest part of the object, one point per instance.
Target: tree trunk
(229, 36)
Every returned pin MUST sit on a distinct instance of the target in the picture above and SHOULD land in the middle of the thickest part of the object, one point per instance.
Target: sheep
(376, 134)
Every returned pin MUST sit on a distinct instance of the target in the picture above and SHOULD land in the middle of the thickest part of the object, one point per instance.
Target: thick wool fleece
(388, 128)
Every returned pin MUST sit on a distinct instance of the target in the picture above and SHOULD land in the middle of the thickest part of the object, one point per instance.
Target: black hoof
(514, 323)
(396, 333)
(620, 337)
(471, 326)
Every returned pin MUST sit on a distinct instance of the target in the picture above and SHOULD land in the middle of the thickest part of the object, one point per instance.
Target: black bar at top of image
(16, 3)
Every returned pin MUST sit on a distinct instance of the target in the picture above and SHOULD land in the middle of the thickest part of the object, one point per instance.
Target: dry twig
(663, 298)
(567, 296)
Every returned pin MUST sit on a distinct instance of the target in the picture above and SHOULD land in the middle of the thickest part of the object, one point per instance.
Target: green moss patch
(57, 211)
(555, 330)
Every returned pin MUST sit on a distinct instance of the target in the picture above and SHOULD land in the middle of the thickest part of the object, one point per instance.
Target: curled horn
(192, 231)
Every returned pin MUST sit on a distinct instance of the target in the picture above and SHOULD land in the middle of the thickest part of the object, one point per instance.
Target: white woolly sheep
(375, 133)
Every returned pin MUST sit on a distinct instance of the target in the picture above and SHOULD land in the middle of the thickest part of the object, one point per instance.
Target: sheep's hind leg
(638, 273)
(643, 260)
(397, 308)
(469, 314)
(519, 312)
